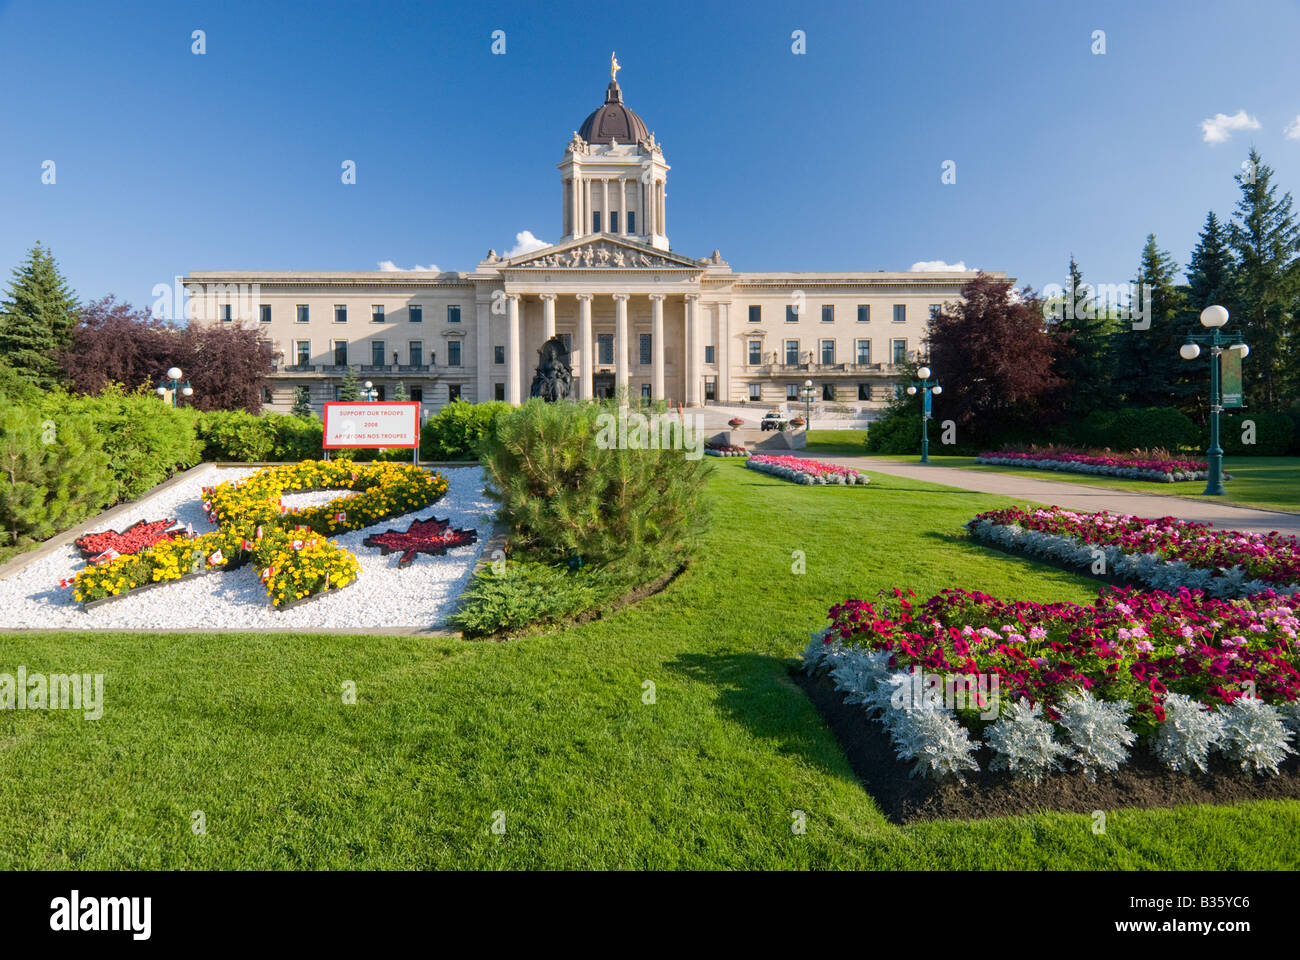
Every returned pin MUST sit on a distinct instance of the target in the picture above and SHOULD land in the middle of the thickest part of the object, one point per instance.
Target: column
(620, 346)
(548, 316)
(648, 228)
(622, 207)
(692, 371)
(586, 203)
(513, 393)
(585, 366)
(663, 210)
(483, 352)
(724, 352)
(604, 213)
(657, 345)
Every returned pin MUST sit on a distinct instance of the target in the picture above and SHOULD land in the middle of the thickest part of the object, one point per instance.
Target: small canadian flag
(258, 534)
(105, 557)
(64, 584)
(207, 507)
(297, 544)
(267, 574)
(246, 545)
(341, 516)
(215, 558)
(189, 529)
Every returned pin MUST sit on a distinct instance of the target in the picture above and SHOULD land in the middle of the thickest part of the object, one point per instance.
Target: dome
(613, 120)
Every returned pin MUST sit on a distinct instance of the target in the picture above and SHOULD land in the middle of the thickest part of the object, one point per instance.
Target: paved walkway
(1079, 496)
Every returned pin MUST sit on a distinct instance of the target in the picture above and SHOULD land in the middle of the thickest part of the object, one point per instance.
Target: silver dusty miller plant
(1183, 740)
(1098, 731)
(933, 738)
(857, 673)
(1023, 743)
(1254, 735)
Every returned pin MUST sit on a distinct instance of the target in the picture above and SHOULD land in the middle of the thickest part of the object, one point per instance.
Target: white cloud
(387, 266)
(939, 266)
(1220, 127)
(525, 242)
(1292, 130)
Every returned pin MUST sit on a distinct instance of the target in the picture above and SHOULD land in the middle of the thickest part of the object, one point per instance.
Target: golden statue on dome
(614, 67)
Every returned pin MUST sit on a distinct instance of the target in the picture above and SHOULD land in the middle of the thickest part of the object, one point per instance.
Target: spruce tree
(350, 388)
(1210, 272)
(1084, 361)
(1148, 370)
(399, 392)
(37, 319)
(1266, 239)
(302, 403)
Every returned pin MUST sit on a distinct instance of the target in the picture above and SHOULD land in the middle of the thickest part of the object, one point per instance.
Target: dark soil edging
(1142, 782)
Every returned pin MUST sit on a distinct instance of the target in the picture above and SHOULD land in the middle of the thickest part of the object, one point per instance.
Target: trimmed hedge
(237, 436)
(458, 430)
(1274, 434)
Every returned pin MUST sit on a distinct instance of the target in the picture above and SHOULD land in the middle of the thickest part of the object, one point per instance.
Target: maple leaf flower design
(133, 539)
(434, 537)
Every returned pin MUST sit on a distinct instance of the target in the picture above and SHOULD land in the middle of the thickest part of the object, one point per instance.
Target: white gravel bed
(421, 595)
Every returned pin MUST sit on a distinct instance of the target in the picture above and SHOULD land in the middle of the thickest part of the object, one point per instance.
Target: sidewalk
(1078, 496)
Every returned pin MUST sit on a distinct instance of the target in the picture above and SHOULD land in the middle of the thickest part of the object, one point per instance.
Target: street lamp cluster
(927, 389)
(1212, 318)
(174, 374)
(807, 394)
(369, 392)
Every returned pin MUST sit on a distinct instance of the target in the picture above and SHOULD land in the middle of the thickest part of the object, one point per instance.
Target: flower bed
(800, 470)
(1164, 554)
(1158, 469)
(289, 546)
(1059, 686)
(725, 450)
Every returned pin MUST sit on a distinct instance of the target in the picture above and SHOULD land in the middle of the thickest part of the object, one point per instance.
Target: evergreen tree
(399, 391)
(1210, 273)
(1148, 370)
(302, 403)
(1083, 357)
(36, 320)
(350, 388)
(1265, 238)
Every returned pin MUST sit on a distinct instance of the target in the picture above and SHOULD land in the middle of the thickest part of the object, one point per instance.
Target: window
(595, 221)
(828, 351)
(755, 313)
(340, 313)
(338, 392)
(498, 391)
(792, 352)
(453, 313)
(453, 353)
(934, 310)
(864, 391)
(227, 313)
(644, 358)
(900, 351)
(415, 351)
(828, 391)
(604, 348)
(303, 349)
(453, 391)
(791, 313)
(340, 353)
(376, 313)
(864, 351)
(613, 221)
(415, 313)
(710, 388)
(499, 354)
(376, 353)
(645, 387)
(792, 391)
(710, 354)
(756, 391)
(864, 313)
(264, 312)
(755, 352)
(380, 394)
(828, 313)
(900, 312)
(631, 221)
(417, 394)
(304, 312)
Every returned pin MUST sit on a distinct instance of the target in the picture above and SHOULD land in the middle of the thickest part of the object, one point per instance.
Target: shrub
(1138, 429)
(897, 432)
(563, 493)
(297, 438)
(1273, 434)
(234, 435)
(522, 594)
(458, 430)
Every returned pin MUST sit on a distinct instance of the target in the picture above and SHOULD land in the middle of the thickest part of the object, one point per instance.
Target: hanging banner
(1230, 374)
(372, 424)
(927, 403)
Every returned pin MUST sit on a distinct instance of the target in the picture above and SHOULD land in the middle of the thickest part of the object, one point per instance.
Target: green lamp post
(174, 375)
(807, 394)
(927, 388)
(1212, 318)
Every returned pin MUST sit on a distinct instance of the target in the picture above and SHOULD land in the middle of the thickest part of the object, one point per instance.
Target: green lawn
(552, 730)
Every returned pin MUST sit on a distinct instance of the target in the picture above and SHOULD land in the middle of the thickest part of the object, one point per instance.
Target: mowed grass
(550, 734)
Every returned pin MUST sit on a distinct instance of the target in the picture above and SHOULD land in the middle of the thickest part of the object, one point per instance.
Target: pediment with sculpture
(606, 254)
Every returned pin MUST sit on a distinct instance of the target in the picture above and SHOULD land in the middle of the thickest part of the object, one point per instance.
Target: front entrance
(602, 386)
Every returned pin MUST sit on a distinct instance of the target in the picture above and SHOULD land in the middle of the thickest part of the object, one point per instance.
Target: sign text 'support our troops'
(58, 691)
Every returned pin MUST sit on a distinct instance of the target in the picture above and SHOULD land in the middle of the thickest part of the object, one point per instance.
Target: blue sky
(168, 162)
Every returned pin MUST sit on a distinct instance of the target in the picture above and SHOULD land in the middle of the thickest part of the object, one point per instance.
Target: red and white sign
(372, 425)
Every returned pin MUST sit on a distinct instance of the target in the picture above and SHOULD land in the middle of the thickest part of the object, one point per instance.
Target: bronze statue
(554, 379)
